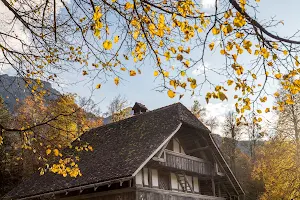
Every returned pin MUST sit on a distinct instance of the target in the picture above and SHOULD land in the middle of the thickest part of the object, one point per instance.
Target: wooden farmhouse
(164, 154)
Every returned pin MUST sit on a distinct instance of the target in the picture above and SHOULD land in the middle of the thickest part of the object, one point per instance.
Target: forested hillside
(61, 121)
(15, 89)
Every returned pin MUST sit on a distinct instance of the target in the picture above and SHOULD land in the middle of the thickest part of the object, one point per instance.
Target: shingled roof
(120, 149)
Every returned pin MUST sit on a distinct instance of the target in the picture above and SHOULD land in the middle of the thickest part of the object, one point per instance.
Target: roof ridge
(135, 116)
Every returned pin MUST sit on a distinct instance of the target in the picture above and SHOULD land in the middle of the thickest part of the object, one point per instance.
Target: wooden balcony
(155, 194)
(187, 163)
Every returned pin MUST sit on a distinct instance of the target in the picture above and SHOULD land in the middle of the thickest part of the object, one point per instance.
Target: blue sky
(141, 88)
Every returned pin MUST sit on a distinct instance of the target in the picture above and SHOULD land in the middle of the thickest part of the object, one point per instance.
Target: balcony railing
(187, 163)
(154, 194)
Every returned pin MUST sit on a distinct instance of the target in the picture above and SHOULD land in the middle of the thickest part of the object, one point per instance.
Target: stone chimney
(139, 108)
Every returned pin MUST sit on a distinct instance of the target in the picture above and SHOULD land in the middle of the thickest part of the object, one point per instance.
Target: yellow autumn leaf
(253, 76)
(117, 81)
(193, 85)
(98, 86)
(285, 52)
(48, 151)
(116, 39)
(56, 152)
(123, 68)
(167, 55)
(136, 34)
(126, 57)
(173, 50)
(173, 83)
(183, 85)
(278, 76)
(182, 73)
(166, 74)
(128, 5)
(187, 63)
(263, 99)
(179, 57)
(107, 44)
(132, 73)
(84, 72)
(289, 102)
(215, 31)
(229, 82)
(155, 73)
(259, 111)
(211, 45)
(171, 94)
(222, 96)
(259, 119)
(239, 35)
(97, 32)
(90, 148)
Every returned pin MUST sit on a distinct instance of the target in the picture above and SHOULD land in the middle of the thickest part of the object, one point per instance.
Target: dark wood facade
(158, 194)
(170, 175)
(159, 155)
(141, 193)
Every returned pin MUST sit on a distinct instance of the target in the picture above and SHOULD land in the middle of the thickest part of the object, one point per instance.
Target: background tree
(288, 117)
(276, 166)
(61, 122)
(118, 109)
(198, 110)
(212, 123)
(232, 133)
(254, 133)
(9, 170)
(4, 118)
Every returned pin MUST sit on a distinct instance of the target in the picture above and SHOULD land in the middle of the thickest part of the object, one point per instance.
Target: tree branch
(259, 26)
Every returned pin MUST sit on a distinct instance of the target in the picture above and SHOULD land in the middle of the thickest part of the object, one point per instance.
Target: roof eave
(78, 188)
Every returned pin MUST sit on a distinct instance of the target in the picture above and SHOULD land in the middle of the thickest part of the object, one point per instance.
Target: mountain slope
(12, 88)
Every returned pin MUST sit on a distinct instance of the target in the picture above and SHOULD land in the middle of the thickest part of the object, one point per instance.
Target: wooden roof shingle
(120, 148)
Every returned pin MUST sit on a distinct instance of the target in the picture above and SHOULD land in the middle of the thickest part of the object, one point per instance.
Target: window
(164, 181)
(177, 147)
(145, 177)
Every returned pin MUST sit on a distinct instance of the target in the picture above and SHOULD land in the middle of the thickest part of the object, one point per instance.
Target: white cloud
(199, 69)
(218, 110)
(208, 4)
(16, 30)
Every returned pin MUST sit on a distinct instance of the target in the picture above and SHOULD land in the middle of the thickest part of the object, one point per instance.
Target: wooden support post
(213, 186)
(219, 190)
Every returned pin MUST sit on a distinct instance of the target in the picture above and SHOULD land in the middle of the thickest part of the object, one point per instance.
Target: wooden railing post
(213, 186)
